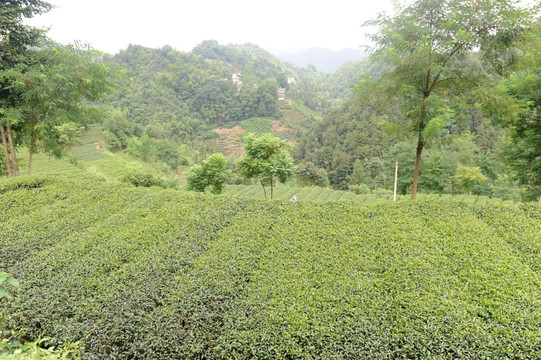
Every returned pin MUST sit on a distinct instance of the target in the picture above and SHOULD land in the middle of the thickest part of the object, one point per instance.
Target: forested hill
(175, 99)
(184, 93)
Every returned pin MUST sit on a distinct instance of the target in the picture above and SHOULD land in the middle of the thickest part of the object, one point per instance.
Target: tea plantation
(148, 273)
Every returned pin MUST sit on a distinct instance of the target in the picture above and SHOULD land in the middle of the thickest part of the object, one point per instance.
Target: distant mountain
(324, 60)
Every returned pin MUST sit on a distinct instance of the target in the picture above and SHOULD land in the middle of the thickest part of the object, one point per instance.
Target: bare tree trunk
(6, 152)
(272, 188)
(12, 148)
(32, 144)
(420, 145)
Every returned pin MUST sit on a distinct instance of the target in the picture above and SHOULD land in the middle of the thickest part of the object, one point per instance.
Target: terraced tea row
(150, 273)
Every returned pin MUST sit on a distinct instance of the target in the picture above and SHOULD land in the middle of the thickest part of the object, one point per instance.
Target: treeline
(358, 154)
(465, 123)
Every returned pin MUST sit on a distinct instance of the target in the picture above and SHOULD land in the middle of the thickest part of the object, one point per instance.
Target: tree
(51, 91)
(428, 47)
(467, 177)
(267, 159)
(16, 42)
(309, 175)
(16, 38)
(523, 152)
(212, 172)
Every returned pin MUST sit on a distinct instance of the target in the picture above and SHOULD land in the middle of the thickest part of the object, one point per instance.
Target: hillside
(156, 274)
(176, 99)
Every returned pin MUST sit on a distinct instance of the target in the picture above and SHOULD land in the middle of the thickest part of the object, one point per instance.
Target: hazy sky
(277, 26)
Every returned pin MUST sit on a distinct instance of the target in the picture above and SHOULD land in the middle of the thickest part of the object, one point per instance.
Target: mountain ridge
(324, 60)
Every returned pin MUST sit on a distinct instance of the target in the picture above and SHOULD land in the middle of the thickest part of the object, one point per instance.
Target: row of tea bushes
(162, 274)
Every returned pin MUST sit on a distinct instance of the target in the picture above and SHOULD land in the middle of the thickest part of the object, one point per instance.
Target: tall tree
(427, 45)
(16, 42)
(51, 94)
(268, 160)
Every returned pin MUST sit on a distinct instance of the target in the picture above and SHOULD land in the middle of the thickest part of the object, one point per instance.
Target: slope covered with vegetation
(153, 273)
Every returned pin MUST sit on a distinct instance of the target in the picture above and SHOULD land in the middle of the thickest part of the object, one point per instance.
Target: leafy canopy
(429, 47)
(467, 177)
(50, 94)
(267, 159)
(212, 172)
(523, 153)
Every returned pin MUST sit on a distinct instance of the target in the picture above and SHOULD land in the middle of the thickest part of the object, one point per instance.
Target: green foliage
(5, 278)
(16, 350)
(467, 177)
(267, 159)
(33, 350)
(524, 147)
(212, 172)
(183, 96)
(16, 37)
(88, 152)
(427, 46)
(257, 126)
(143, 179)
(49, 95)
(311, 193)
(309, 175)
(340, 84)
(163, 274)
(345, 134)
(180, 95)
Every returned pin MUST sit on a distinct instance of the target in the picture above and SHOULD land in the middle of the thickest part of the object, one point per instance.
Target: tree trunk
(420, 145)
(272, 189)
(32, 144)
(6, 152)
(12, 148)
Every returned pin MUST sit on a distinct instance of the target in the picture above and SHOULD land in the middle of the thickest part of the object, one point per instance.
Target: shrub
(212, 172)
(141, 179)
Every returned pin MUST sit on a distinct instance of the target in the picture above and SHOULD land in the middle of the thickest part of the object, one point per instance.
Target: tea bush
(151, 273)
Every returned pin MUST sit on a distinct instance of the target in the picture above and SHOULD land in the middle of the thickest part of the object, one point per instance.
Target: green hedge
(149, 273)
